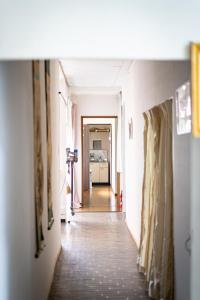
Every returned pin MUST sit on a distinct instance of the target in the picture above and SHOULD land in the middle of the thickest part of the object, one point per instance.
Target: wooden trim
(118, 185)
(82, 161)
(195, 53)
(101, 183)
(91, 117)
(109, 124)
(98, 117)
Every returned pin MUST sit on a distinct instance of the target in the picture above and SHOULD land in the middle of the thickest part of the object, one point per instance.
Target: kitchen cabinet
(103, 172)
(99, 172)
(94, 168)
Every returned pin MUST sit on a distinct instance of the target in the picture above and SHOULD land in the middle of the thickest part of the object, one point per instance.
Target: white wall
(22, 276)
(182, 209)
(90, 105)
(148, 84)
(195, 224)
(104, 29)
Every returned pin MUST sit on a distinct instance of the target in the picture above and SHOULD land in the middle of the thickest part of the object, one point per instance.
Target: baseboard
(132, 235)
(101, 183)
(59, 252)
(113, 191)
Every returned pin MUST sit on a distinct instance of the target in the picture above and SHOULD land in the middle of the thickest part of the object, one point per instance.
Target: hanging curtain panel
(38, 160)
(154, 148)
(151, 139)
(49, 143)
(146, 195)
(156, 252)
(74, 142)
(143, 227)
(167, 275)
(74, 118)
(158, 230)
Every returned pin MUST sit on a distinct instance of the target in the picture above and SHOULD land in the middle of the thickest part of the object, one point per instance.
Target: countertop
(98, 161)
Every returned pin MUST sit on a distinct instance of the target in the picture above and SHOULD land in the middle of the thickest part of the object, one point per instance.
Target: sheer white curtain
(67, 140)
(73, 122)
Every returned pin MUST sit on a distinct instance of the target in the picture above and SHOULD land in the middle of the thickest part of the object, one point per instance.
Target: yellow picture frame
(195, 89)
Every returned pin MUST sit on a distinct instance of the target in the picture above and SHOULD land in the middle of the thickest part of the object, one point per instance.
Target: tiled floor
(99, 198)
(98, 260)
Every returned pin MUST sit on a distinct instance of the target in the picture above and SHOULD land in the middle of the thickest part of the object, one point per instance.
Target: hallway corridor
(97, 261)
(99, 199)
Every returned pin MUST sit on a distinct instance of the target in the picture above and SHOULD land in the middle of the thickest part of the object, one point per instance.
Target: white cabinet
(94, 168)
(100, 172)
(103, 172)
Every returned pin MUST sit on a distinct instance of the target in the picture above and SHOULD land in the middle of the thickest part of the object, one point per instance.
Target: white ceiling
(97, 120)
(106, 29)
(95, 74)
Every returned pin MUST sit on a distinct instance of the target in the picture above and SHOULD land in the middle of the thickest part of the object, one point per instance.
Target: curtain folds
(49, 144)
(38, 160)
(156, 243)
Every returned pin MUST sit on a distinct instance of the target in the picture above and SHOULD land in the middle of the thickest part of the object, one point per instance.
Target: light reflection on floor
(99, 198)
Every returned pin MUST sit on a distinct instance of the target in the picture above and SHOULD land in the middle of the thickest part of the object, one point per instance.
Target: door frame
(90, 117)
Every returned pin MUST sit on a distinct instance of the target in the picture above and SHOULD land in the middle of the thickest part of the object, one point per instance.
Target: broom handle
(72, 187)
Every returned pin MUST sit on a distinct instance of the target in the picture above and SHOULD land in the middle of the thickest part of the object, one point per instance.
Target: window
(97, 144)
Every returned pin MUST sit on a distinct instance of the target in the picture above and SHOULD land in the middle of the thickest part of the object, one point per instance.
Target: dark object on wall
(130, 129)
(95, 129)
(38, 162)
(72, 157)
(49, 143)
(97, 144)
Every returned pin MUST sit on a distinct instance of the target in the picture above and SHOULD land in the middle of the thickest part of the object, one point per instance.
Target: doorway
(99, 174)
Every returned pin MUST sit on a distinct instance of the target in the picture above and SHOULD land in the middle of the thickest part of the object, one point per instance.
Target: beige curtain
(49, 144)
(38, 161)
(146, 195)
(156, 243)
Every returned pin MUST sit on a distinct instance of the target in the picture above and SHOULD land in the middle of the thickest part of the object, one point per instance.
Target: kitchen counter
(99, 171)
(98, 161)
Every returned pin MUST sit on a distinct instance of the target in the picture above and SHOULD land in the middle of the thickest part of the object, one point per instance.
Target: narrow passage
(97, 261)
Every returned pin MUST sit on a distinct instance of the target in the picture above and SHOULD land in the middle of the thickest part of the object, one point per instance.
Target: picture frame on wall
(183, 109)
